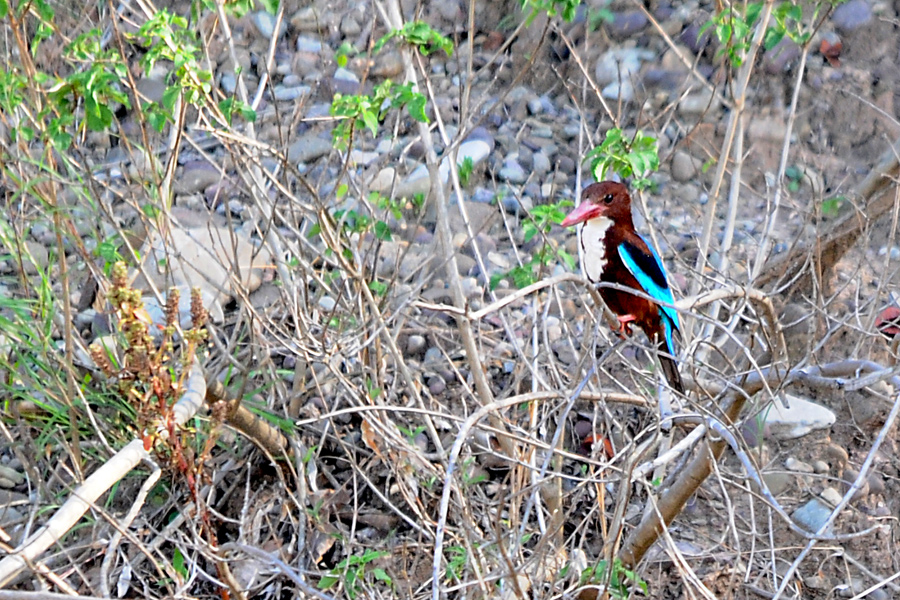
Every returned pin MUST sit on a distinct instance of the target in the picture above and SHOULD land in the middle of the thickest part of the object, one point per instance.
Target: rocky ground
(295, 327)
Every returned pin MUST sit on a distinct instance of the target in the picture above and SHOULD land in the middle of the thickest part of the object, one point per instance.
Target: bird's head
(608, 199)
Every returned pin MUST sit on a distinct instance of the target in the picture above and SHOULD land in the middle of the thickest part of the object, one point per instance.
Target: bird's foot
(625, 322)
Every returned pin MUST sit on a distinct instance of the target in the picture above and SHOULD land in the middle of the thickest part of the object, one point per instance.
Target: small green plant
(831, 206)
(465, 170)
(635, 158)
(353, 570)
(794, 178)
(95, 84)
(468, 478)
(167, 37)
(411, 434)
(733, 27)
(355, 110)
(619, 579)
(600, 15)
(457, 558)
(539, 221)
(418, 34)
(343, 52)
(565, 8)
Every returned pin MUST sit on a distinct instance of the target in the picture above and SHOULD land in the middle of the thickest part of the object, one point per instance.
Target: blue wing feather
(650, 274)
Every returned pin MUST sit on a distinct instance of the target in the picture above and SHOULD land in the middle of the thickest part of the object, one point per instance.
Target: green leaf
(382, 231)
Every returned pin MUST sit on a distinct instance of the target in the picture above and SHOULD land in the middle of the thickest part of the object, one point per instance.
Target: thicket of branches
(329, 460)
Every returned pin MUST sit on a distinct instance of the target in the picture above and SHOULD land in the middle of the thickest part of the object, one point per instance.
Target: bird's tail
(670, 368)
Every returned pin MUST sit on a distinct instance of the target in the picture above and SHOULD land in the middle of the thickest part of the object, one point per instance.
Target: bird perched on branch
(615, 253)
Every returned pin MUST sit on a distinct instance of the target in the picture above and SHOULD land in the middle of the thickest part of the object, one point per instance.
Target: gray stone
(698, 103)
(433, 355)
(684, 167)
(308, 44)
(512, 171)
(812, 515)
(350, 27)
(795, 417)
(541, 164)
(311, 18)
(620, 64)
(265, 24)
(626, 24)
(388, 64)
(415, 344)
(228, 82)
(535, 106)
(852, 15)
(40, 257)
(797, 466)
(623, 91)
(327, 303)
(196, 177)
(308, 148)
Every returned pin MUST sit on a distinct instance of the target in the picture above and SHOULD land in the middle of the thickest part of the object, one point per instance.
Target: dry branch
(97, 484)
(868, 202)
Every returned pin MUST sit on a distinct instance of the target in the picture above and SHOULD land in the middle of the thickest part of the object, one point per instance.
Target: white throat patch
(593, 236)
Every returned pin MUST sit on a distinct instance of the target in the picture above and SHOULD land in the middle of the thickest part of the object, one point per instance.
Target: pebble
(535, 106)
(308, 44)
(517, 206)
(388, 65)
(265, 24)
(620, 64)
(541, 164)
(344, 82)
(196, 177)
(512, 171)
(894, 250)
(40, 258)
(812, 515)
(308, 148)
(15, 477)
(415, 344)
(282, 93)
(436, 385)
(684, 167)
(470, 287)
(228, 82)
(626, 24)
(797, 466)
(350, 27)
(793, 417)
(698, 103)
(848, 477)
(782, 57)
(777, 483)
(852, 15)
(327, 303)
(433, 355)
(832, 496)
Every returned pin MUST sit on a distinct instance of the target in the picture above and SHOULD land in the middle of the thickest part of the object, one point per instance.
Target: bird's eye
(607, 199)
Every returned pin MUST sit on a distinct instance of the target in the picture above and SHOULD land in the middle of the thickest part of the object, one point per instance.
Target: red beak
(888, 322)
(584, 212)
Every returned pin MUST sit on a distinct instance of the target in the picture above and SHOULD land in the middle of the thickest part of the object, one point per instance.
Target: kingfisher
(614, 252)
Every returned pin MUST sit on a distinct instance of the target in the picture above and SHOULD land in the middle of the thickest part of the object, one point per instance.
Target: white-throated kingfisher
(615, 253)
